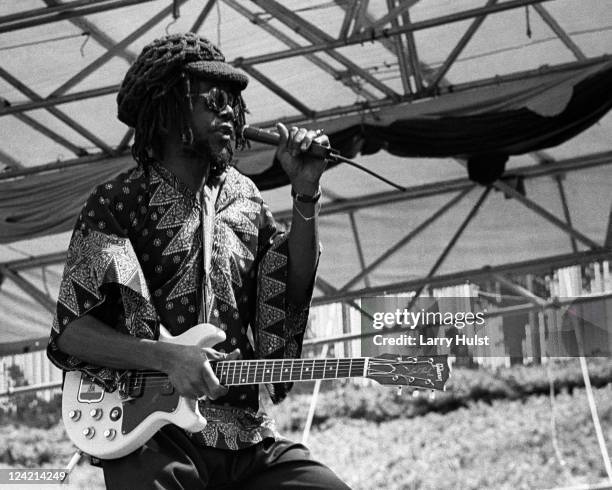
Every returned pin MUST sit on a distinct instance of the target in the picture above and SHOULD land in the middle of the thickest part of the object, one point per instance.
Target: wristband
(305, 197)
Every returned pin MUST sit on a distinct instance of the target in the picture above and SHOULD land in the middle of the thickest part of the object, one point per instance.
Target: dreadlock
(157, 91)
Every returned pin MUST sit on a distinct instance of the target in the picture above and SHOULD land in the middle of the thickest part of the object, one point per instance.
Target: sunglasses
(217, 99)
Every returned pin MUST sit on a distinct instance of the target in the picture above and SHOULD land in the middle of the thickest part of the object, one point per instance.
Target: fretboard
(277, 370)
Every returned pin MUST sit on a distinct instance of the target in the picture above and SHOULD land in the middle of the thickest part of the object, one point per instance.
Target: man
(184, 239)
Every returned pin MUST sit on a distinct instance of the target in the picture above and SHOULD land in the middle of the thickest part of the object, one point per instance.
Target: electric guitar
(111, 425)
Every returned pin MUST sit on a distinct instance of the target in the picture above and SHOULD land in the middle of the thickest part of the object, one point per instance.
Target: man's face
(213, 131)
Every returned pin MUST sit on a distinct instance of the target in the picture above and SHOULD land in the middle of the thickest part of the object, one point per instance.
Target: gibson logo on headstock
(439, 371)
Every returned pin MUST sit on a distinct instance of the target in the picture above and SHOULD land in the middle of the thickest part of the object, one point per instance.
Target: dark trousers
(172, 461)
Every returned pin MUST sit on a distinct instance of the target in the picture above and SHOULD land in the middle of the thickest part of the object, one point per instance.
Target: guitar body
(111, 425)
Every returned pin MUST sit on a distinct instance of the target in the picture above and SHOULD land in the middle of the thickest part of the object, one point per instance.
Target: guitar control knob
(96, 413)
(115, 414)
(89, 432)
(110, 434)
(74, 415)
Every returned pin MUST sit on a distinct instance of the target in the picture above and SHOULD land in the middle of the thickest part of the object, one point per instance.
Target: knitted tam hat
(168, 57)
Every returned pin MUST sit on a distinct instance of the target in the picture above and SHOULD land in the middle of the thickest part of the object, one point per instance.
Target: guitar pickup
(131, 386)
(167, 389)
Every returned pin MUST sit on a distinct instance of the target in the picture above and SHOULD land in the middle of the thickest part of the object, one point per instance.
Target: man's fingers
(215, 390)
(308, 139)
(323, 140)
(235, 354)
(213, 355)
(283, 132)
(296, 141)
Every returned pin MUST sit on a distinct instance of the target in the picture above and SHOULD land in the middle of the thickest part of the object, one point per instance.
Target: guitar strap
(207, 197)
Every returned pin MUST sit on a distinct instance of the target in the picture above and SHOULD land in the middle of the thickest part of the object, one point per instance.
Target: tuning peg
(432, 395)
(399, 390)
(416, 393)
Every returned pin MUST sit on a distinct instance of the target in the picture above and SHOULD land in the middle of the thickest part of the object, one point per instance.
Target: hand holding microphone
(270, 138)
(315, 148)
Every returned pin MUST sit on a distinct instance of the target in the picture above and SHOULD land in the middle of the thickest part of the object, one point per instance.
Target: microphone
(270, 138)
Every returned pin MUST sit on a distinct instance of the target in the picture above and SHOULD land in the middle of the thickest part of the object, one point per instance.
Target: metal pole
(374, 35)
(203, 15)
(520, 290)
(529, 266)
(502, 186)
(450, 244)
(566, 211)
(29, 288)
(313, 402)
(358, 246)
(413, 56)
(403, 241)
(392, 14)
(52, 101)
(278, 90)
(457, 50)
(20, 390)
(24, 89)
(75, 12)
(559, 31)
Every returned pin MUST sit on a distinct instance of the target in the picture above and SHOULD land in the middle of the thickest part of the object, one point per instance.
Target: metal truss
(542, 264)
(522, 309)
(394, 30)
(322, 116)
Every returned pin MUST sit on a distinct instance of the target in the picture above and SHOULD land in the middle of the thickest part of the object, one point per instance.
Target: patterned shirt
(135, 260)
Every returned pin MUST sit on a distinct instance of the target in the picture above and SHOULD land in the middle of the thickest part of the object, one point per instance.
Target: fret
(278, 371)
(302, 370)
(273, 372)
(308, 370)
(267, 372)
(338, 365)
(287, 370)
(324, 369)
(291, 372)
(240, 378)
(259, 370)
(350, 373)
(247, 374)
(221, 372)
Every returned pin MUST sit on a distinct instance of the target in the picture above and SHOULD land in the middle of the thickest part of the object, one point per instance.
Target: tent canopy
(449, 84)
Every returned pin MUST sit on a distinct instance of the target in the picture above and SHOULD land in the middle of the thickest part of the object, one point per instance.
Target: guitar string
(155, 378)
(315, 364)
(274, 362)
(275, 372)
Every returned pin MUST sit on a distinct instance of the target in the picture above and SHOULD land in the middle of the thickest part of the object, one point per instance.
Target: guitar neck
(241, 372)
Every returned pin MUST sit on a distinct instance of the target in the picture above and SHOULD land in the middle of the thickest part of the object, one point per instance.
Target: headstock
(428, 372)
